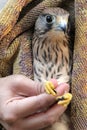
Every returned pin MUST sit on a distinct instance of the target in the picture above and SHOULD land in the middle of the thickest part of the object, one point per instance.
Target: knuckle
(39, 87)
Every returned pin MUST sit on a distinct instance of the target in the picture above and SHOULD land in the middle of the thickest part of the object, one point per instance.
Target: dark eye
(49, 19)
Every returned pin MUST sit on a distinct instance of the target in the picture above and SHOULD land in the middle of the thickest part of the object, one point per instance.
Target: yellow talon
(62, 100)
(65, 99)
(49, 88)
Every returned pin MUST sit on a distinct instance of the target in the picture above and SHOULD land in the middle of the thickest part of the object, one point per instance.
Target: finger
(22, 107)
(62, 88)
(30, 105)
(45, 119)
(24, 86)
(55, 83)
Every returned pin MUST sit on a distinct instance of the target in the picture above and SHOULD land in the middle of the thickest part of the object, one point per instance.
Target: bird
(52, 54)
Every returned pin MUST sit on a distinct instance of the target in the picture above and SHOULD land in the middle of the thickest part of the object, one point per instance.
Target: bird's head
(54, 20)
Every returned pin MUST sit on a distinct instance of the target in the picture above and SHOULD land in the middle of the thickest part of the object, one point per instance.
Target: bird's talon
(65, 99)
(50, 88)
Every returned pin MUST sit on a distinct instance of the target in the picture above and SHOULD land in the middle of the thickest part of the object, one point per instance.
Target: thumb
(24, 86)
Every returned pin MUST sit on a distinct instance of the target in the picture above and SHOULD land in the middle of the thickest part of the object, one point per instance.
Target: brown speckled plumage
(11, 28)
(51, 52)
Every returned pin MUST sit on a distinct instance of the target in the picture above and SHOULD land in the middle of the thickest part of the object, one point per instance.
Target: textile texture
(17, 20)
(79, 76)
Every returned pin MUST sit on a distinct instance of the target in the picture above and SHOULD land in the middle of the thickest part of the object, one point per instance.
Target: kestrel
(52, 55)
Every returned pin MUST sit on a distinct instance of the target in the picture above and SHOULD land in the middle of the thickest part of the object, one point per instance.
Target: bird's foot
(65, 99)
(50, 88)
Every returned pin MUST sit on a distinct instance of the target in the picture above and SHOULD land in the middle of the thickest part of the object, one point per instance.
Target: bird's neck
(51, 49)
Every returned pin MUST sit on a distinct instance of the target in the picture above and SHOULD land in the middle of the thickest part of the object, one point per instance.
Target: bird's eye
(49, 19)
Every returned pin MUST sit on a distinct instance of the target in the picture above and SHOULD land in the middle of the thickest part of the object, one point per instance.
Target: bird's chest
(50, 61)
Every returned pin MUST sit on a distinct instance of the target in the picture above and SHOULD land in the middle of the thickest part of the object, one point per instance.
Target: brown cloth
(17, 19)
(79, 76)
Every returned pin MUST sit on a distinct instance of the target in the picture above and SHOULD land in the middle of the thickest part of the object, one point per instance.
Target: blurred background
(2, 3)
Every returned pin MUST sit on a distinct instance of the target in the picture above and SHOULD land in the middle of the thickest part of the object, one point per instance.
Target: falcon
(52, 55)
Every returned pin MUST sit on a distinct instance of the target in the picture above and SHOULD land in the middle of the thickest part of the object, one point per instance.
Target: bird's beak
(62, 24)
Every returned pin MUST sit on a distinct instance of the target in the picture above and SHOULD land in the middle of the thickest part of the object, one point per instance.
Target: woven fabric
(16, 53)
(9, 44)
(15, 40)
(79, 76)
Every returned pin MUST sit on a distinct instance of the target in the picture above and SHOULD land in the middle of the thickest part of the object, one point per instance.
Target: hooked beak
(62, 25)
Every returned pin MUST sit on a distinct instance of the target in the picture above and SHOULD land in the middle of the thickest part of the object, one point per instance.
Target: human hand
(23, 101)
